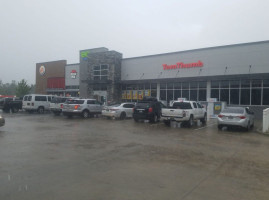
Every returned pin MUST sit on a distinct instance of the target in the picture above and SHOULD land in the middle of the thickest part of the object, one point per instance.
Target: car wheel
(122, 115)
(136, 119)
(40, 110)
(220, 127)
(167, 122)
(248, 127)
(190, 122)
(15, 110)
(85, 114)
(154, 119)
(204, 120)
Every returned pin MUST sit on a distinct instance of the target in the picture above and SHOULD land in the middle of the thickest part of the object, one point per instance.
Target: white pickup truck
(184, 111)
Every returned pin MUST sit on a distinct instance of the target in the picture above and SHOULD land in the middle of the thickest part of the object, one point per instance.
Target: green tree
(22, 88)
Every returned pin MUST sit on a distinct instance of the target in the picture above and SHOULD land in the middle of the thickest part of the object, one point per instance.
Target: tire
(252, 126)
(85, 114)
(40, 110)
(136, 119)
(167, 122)
(15, 110)
(248, 127)
(122, 115)
(154, 119)
(204, 120)
(220, 127)
(190, 122)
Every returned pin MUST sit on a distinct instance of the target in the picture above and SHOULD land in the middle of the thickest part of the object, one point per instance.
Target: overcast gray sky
(35, 31)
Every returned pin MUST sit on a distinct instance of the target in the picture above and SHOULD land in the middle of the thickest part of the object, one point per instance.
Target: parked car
(236, 117)
(120, 111)
(184, 111)
(2, 121)
(82, 107)
(11, 104)
(36, 102)
(56, 104)
(148, 109)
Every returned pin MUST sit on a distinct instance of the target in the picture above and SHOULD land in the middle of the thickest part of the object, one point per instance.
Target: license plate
(141, 111)
(230, 117)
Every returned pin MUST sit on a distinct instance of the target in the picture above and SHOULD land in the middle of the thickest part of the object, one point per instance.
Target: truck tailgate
(171, 112)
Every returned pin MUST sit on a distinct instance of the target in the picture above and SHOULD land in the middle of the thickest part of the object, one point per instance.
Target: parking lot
(50, 157)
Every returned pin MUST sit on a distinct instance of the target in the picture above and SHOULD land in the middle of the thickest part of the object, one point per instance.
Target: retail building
(237, 74)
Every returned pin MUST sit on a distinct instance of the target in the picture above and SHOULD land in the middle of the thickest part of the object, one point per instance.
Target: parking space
(54, 157)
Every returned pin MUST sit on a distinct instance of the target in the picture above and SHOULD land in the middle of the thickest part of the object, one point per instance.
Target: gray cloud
(37, 31)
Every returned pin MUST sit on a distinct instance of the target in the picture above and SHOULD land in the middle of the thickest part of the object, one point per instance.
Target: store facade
(236, 74)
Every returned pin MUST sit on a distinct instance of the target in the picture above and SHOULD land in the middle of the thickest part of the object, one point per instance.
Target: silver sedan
(120, 111)
(2, 120)
(236, 117)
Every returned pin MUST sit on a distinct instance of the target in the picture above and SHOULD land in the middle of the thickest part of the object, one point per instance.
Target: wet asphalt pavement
(46, 157)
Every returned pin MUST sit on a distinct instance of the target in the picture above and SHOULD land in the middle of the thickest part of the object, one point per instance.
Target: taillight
(113, 109)
(133, 109)
(76, 107)
(33, 104)
(220, 116)
(150, 109)
(62, 105)
(242, 117)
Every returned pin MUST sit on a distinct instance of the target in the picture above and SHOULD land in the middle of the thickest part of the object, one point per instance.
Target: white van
(36, 102)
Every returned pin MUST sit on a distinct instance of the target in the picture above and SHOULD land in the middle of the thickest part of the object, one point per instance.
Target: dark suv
(149, 108)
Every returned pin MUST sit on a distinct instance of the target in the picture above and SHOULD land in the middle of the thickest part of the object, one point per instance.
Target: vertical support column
(208, 89)
(158, 91)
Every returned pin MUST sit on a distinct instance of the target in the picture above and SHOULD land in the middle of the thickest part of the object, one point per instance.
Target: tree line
(18, 89)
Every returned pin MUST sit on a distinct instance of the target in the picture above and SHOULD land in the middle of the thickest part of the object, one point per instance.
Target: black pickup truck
(11, 104)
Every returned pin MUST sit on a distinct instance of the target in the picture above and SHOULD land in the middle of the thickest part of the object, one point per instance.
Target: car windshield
(233, 110)
(75, 101)
(182, 105)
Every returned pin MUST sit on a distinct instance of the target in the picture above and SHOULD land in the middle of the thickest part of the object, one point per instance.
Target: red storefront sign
(180, 65)
(56, 83)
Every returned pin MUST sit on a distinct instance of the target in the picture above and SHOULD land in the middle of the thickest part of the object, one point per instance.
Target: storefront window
(234, 84)
(234, 99)
(256, 83)
(224, 95)
(245, 83)
(193, 95)
(202, 84)
(265, 99)
(163, 95)
(266, 83)
(153, 93)
(177, 85)
(170, 95)
(170, 86)
(193, 85)
(214, 84)
(202, 95)
(177, 94)
(185, 85)
(245, 97)
(224, 84)
(163, 85)
(186, 94)
(256, 96)
(153, 86)
(215, 93)
(141, 86)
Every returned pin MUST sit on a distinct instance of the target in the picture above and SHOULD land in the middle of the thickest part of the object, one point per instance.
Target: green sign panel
(84, 55)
